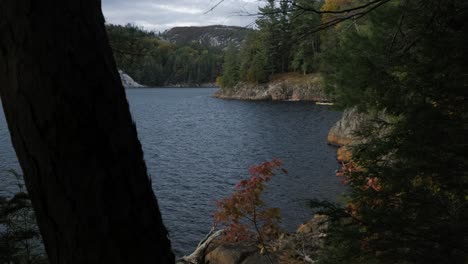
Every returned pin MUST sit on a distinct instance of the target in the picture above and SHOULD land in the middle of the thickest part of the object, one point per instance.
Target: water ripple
(197, 147)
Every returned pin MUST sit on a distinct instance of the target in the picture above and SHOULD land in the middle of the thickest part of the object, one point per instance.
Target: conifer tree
(408, 201)
(230, 75)
(306, 45)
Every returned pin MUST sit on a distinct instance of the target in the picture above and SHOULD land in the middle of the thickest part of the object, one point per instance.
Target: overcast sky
(159, 15)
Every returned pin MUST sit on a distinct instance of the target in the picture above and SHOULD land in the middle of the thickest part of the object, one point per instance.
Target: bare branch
(375, 2)
(213, 7)
(340, 19)
(201, 248)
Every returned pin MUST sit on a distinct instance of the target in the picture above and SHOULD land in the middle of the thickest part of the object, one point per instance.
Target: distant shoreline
(171, 87)
(281, 87)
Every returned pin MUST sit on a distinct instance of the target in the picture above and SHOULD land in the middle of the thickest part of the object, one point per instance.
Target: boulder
(342, 133)
(226, 253)
(303, 245)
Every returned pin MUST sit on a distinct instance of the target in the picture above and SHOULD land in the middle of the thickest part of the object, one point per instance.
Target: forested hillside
(188, 57)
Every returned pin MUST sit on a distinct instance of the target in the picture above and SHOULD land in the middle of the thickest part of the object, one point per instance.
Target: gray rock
(287, 87)
(128, 81)
(342, 133)
(228, 253)
(260, 259)
(302, 245)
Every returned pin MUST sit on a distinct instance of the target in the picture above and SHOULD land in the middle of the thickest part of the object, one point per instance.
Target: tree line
(154, 62)
(280, 44)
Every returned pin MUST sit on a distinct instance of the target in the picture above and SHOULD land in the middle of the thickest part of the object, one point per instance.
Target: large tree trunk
(74, 137)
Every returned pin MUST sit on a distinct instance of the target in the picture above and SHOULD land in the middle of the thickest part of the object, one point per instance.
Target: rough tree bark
(74, 137)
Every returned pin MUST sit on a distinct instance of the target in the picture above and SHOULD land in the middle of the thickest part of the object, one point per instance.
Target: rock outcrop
(241, 253)
(342, 134)
(283, 87)
(128, 81)
(301, 246)
(212, 36)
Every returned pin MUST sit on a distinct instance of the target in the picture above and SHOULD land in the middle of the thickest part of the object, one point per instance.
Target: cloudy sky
(159, 15)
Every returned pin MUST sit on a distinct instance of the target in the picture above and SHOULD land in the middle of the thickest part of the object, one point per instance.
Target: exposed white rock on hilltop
(214, 36)
(128, 81)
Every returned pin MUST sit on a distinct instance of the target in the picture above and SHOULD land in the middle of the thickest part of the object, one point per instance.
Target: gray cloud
(159, 15)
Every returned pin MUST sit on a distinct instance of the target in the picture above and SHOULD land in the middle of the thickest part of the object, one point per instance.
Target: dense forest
(408, 176)
(283, 43)
(152, 61)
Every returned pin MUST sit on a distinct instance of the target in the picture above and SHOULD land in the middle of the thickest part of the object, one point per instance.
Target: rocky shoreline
(342, 135)
(190, 85)
(284, 87)
(129, 82)
(301, 246)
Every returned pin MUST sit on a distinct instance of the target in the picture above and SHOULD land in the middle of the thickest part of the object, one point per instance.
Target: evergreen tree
(231, 63)
(255, 66)
(257, 72)
(282, 42)
(408, 201)
(306, 44)
(268, 35)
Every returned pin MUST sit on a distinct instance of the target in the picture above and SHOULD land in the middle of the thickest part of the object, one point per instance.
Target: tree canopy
(155, 62)
(403, 64)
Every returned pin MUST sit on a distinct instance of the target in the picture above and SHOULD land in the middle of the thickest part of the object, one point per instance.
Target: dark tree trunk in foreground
(74, 137)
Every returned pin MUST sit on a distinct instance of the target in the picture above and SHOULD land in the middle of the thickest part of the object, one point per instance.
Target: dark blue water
(198, 147)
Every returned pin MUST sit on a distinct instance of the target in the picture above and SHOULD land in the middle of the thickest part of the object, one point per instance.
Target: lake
(198, 147)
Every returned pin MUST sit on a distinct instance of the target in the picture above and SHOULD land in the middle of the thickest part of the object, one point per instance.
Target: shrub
(244, 213)
(20, 240)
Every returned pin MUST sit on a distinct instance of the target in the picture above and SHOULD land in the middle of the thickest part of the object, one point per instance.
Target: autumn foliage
(353, 176)
(346, 174)
(244, 214)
